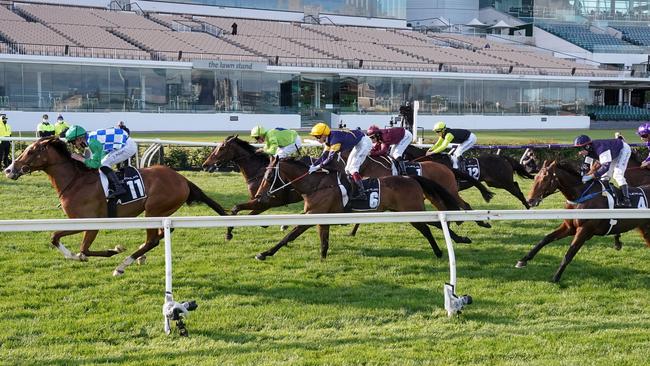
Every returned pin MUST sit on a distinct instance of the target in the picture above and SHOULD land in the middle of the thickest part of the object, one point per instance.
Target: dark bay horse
(565, 178)
(375, 167)
(252, 165)
(82, 196)
(321, 194)
(497, 171)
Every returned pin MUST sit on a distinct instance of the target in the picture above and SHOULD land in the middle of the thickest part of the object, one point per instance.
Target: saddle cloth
(373, 196)
(471, 167)
(638, 198)
(131, 180)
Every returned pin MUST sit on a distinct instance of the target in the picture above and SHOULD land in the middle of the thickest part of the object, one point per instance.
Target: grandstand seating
(94, 32)
(581, 35)
(618, 113)
(638, 35)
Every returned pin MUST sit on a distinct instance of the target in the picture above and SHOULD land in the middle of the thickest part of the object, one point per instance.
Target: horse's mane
(62, 148)
(568, 167)
(248, 148)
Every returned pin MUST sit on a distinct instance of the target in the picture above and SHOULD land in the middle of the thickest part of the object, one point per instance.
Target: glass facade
(394, 9)
(30, 86)
(574, 10)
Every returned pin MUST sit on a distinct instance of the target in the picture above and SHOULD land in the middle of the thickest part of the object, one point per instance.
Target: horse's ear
(236, 136)
(552, 164)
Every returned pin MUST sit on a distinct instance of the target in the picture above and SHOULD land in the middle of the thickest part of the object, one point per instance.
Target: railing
(453, 304)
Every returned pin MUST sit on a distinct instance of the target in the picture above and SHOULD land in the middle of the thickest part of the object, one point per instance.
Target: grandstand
(161, 62)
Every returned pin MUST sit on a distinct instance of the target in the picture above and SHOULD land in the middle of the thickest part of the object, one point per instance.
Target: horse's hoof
(464, 240)
(284, 227)
(486, 225)
(141, 259)
(118, 272)
(439, 254)
(119, 248)
(521, 264)
(260, 257)
(228, 237)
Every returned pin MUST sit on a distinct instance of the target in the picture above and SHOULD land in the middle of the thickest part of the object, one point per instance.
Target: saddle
(131, 180)
(614, 196)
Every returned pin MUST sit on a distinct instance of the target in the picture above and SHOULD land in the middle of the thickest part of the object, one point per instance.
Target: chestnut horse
(565, 178)
(322, 194)
(252, 165)
(82, 196)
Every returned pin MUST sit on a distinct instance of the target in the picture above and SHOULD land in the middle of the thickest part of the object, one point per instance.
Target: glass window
(203, 89)
(126, 93)
(14, 84)
(374, 94)
(95, 88)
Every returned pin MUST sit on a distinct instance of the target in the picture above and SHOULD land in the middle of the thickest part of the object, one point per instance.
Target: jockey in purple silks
(612, 155)
(644, 132)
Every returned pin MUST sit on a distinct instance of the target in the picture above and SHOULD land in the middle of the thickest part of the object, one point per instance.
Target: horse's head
(220, 154)
(545, 184)
(37, 156)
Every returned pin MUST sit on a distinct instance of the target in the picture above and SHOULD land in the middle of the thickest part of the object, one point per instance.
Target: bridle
(40, 149)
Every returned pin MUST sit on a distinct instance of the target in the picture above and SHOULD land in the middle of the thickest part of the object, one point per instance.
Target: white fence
(452, 303)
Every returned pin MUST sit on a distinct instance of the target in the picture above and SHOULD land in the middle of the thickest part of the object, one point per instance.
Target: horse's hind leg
(424, 230)
(582, 235)
(324, 234)
(153, 238)
(89, 237)
(466, 206)
(618, 244)
(455, 237)
(234, 212)
(561, 232)
(645, 232)
(514, 190)
(293, 234)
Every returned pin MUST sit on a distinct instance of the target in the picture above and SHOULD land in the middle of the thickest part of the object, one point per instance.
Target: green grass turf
(377, 299)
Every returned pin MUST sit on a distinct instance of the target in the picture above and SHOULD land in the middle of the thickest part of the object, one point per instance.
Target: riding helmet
(582, 140)
(258, 131)
(320, 129)
(644, 129)
(74, 132)
(439, 127)
(372, 130)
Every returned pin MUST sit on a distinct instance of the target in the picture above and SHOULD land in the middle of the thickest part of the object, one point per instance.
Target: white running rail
(453, 304)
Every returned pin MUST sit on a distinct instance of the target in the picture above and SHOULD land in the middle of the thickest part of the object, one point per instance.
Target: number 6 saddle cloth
(373, 196)
(131, 180)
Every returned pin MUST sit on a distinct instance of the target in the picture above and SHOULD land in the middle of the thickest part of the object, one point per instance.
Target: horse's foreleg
(424, 230)
(56, 237)
(354, 230)
(153, 238)
(466, 206)
(514, 190)
(89, 237)
(561, 232)
(293, 234)
(618, 244)
(324, 234)
(582, 235)
(455, 237)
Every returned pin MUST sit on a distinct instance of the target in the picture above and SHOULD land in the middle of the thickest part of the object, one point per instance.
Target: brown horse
(565, 178)
(82, 196)
(252, 165)
(322, 194)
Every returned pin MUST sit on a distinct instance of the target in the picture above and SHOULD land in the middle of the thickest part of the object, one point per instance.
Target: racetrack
(377, 299)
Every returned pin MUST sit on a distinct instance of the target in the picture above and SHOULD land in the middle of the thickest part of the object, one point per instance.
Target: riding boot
(401, 166)
(115, 189)
(454, 161)
(360, 193)
(625, 202)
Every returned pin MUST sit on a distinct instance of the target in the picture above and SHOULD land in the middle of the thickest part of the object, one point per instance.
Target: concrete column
(620, 97)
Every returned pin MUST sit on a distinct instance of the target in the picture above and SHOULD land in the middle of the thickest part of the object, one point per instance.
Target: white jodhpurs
(397, 150)
(358, 155)
(286, 151)
(124, 153)
(618, 166)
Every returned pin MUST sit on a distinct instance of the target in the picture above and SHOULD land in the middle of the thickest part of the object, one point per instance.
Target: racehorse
(565, 178)
(252, 165)
(497, 171)
(322, 194)
(635, 175)
(82, 196)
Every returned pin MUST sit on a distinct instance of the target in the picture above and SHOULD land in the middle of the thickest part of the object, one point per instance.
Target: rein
(584, 197)
(277, 176)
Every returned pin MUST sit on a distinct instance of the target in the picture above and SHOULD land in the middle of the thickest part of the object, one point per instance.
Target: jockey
(277, 141)
(644, 132)
(107, 147)
(343, 140)
(396, 138)
(612, 155)
(465, 138)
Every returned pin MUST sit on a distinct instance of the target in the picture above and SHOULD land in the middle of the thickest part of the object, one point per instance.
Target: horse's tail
(434, 189)
(485, 192)
(518, 168)
(197, 195)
